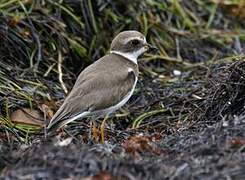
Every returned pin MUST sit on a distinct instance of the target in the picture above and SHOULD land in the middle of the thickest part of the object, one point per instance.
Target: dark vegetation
(185, 120)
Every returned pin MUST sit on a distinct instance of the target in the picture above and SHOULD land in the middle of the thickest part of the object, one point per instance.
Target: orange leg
(102, 129)
(94, 131)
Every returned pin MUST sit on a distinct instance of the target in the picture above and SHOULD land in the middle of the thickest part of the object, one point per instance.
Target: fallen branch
(60, 72)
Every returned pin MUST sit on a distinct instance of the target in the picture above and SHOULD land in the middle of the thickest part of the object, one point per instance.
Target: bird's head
(131, 44)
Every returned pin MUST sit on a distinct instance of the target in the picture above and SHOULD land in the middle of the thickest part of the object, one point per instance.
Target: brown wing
(95, 89)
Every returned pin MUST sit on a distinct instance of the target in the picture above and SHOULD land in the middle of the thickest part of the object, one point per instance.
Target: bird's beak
(151, 48)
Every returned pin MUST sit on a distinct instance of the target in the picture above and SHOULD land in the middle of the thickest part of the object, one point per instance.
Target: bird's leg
(94, 130)
(102, 129)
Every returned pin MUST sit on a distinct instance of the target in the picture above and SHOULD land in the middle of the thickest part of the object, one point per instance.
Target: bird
(107, 84)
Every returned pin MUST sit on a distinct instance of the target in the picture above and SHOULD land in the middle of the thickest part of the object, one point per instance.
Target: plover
(107, 84)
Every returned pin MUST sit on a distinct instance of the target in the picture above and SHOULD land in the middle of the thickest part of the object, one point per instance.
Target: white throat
(131, 56)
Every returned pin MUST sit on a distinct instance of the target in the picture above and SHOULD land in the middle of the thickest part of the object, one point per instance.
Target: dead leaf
(27, 116)
(47, 111)
(137, 144)
(103, 175)
(238, 142)
(233, 8)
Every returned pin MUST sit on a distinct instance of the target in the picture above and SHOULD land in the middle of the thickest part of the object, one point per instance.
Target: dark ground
(187, 126)
(216, 152)
(207, 148)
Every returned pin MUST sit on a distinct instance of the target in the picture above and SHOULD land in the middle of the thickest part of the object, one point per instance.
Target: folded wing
(94, 90)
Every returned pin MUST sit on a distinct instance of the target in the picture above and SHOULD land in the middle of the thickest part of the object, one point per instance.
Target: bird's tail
(56, 122)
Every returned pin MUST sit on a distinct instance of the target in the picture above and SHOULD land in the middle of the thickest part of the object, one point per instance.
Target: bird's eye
(135, 42)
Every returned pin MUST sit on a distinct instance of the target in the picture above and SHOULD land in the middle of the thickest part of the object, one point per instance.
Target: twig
(138, 120)
(178, 49)
(238, 46)
(60, 72)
